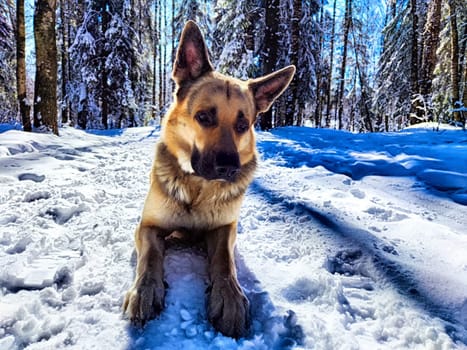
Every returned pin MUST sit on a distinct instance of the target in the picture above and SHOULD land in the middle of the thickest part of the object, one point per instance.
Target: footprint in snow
(31, 176)
(385, 215)
(357, 193)
(302, 290)
(349, 262)
(61, 215)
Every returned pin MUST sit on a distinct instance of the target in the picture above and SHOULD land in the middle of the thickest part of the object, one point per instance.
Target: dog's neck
(187, 188)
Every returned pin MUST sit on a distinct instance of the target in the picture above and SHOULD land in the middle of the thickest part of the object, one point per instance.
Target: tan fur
(201, 204)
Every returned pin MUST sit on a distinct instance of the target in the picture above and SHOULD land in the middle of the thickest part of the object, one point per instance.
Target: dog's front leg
(228, 308)
(145, 299)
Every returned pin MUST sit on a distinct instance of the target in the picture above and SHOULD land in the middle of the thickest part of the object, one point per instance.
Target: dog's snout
(227, 165)
(227, 172)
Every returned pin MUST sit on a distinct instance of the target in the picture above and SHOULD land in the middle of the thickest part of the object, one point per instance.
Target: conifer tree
(444, 81)
(455, 96)
(331, 67)
(393, 94)
(270, 51)
(340, 93)
(429, 57)
(231, 52)
(310, 65)
(8, 101)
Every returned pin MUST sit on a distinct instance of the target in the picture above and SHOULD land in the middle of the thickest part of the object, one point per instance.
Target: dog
(205, 159)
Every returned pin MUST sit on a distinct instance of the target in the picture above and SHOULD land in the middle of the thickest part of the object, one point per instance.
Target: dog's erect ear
(266, 89)
(192, 60)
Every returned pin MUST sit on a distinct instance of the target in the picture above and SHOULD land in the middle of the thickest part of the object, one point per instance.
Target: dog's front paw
(228, 308)
(144, 301)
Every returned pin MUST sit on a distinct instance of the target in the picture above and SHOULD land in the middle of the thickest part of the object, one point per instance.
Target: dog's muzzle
(227, 166)
(219, 165)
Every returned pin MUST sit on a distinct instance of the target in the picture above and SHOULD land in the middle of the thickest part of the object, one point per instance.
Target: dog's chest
(206, 206)
(192, 206)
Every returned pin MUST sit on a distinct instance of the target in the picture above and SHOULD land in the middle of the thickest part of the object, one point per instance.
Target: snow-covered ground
(346, 242)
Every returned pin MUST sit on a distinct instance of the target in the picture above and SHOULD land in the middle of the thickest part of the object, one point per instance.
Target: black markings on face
(242, 124)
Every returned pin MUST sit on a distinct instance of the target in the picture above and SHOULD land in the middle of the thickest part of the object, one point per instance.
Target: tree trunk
(65, 104)
(365, 99)
(464, 74)
(164, 58)
(104, 87)
(294, 52)
(24, 109)
(393, 8)
(250, 31)
(430, 45)
(463, 66)
(154, 62)
(161, 92)
(319, 82)
(415, 113)
(271, 50)
(454, 59)
(45, 88)
(347, 24)
(331, 66)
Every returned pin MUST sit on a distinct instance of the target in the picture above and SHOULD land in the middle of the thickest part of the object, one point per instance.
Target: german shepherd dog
(204, 162)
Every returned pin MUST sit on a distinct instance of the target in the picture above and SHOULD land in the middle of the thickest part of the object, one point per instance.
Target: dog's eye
(242, 124)
(207, 119)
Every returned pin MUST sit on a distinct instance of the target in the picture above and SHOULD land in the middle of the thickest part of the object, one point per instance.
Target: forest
(362, 66)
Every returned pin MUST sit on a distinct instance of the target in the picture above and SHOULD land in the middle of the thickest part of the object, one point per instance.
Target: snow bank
(437, 159)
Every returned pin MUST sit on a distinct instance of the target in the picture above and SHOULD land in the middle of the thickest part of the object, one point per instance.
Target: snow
(346, 241)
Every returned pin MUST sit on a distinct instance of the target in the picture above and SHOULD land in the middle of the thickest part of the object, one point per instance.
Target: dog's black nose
(227, 166)
(227, 172)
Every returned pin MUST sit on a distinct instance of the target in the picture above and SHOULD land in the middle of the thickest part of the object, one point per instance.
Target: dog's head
(210, 126)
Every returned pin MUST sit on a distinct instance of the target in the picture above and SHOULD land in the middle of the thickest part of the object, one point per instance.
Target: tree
(331, 67)
(64, 61)
(320, 72)
(415, 112)
(270, 51)
(311, 67)
(24, 109)
(429, 57)
(231, 52)
(85, 57)
(292, 101)
(140, 72)
(340, 93)
(362, 90)
(454, 59)
(107, 54)
(45, 87)
(392, 95)
(155, 44)
(8, 101)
